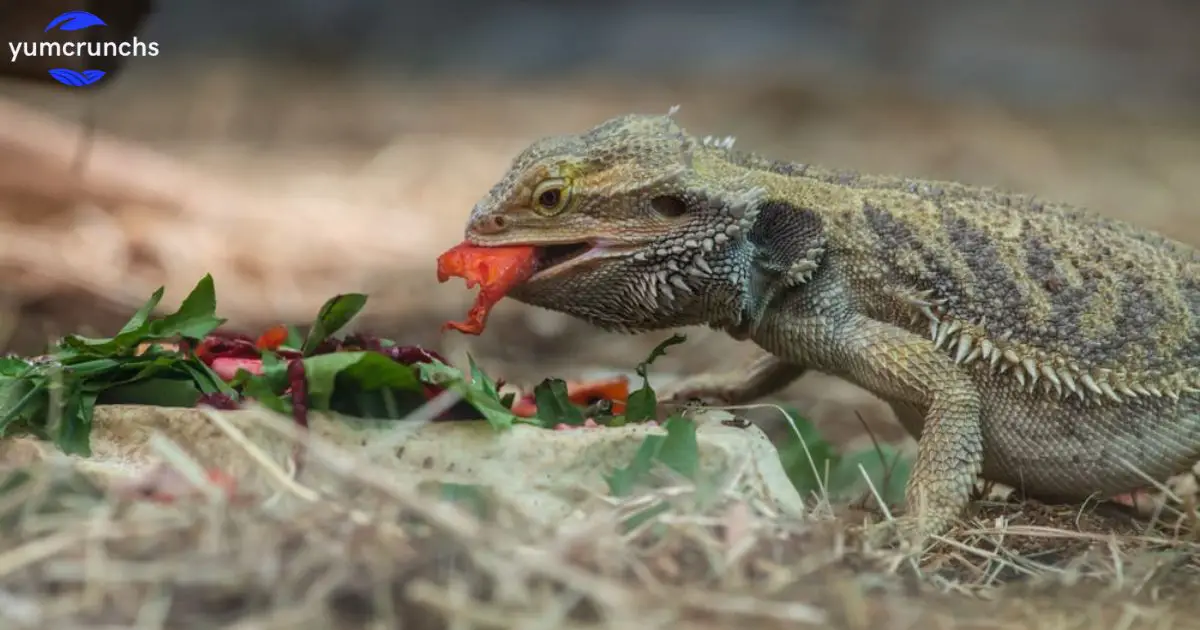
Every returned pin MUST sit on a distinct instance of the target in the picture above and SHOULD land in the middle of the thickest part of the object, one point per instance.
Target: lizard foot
(906, 531)
(913, 528)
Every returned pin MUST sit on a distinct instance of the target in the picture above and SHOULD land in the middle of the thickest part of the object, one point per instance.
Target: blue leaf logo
(74, 21)
(74, 78)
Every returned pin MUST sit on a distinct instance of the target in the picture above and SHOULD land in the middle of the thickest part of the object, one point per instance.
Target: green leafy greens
(643, 402)
(53, 397)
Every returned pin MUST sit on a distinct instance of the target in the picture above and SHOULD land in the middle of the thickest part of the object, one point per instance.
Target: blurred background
(300, 148)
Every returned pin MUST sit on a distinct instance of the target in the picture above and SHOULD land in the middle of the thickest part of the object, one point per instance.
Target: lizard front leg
(764, 376)
(896, 363)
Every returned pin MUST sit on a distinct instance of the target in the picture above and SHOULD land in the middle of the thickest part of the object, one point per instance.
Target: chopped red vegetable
(217, 400)
(215, 346)
(273, 338)
(614, 389)
(227, 367)
(496, 270)
(583, 394)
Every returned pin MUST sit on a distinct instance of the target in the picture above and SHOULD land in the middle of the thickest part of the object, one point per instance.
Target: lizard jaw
(557, 258)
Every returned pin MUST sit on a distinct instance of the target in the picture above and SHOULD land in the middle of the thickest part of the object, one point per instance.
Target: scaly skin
(1029, 342)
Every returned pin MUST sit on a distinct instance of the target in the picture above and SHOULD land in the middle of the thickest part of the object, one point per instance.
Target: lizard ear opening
(669, 206)
(791, 240)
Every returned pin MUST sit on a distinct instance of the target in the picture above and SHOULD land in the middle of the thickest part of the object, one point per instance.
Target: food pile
(187, 359)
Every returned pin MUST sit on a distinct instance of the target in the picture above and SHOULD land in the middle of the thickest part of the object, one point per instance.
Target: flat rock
(550, 476)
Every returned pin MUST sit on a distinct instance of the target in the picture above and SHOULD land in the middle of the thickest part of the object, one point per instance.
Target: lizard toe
(904, 531)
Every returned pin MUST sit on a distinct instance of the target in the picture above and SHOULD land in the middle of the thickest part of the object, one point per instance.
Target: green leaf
(470, 496)
(51, 405)
(635, 520)
(161, 392)
(274, 372)
(333, 316)
(20, 399)
(438, 373)
(257, 387)
(482, 380)
(196, 317)
(808, 457)
(887, 469)
(369, 370)
(88, 366)
(480, 392)
(13, 366)
(642, 403)
(553, 404)
(55, 399)
(208, 381)
(295, 340)
(622, 481)
(679, 450)
(321, 373)
(497, 415)
(659, 351)
(139, 319)
(384, 403)
(376, 371)
(75, 428)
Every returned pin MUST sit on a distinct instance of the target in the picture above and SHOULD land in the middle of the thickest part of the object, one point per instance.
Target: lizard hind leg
(764, 376)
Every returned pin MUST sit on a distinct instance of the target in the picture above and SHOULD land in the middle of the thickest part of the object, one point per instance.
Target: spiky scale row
(676, 260)
(802, 270)
(719, 143)
(969, 342)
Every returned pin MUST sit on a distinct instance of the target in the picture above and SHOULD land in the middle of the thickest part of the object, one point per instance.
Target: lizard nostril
(491, 224)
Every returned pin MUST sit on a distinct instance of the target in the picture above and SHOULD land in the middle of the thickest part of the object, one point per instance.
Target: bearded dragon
(1024, 341)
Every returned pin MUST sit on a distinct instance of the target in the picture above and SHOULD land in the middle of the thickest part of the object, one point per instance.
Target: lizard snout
(486, 223)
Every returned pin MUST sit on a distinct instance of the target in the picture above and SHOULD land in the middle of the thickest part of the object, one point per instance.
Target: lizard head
(629, 236)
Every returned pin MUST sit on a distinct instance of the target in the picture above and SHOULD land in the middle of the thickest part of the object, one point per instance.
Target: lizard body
(1031, 342)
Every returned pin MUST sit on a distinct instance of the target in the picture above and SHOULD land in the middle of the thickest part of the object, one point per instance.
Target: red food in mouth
(496, 270)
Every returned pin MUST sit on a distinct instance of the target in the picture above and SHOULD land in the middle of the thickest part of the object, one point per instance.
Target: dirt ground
(371, 550)
(419, 157)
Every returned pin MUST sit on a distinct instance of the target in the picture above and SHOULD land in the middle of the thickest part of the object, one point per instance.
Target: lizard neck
(754, 295)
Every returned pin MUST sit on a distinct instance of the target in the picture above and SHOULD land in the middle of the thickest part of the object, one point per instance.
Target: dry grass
(369, 550)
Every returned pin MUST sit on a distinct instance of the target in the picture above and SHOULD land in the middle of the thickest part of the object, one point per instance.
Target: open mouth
(552, 259)
(549, 256)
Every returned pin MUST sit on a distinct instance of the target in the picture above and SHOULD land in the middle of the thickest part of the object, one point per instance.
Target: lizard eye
(551, 197)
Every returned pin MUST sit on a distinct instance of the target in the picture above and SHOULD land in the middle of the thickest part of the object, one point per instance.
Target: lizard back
(1072, 302)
